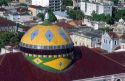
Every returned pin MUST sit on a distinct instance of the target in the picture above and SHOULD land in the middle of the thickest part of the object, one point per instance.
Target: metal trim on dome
(47, 52)
(50, 56)
(46, 47)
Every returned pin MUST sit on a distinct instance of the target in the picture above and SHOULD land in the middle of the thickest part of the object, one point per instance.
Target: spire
(46, 19)
(46, 16)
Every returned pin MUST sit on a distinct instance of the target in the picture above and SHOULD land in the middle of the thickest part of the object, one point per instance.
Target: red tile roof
(99, 50)
(122, 37)
(22, 10)
(65, 25)
(5, 22)
(37, 7)
(118, 56)
(14, 67)
(113, 35)
(3, 9)
(75, 22)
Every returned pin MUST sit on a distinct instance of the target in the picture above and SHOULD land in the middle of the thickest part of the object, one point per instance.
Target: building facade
(25, 1)
(109, 41)
(54, 5)
(36, 9)
(99, 8)
(86, 37)
(7, 25)
(119, 27)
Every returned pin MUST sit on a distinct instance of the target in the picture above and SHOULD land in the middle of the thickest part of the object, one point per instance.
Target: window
(85, 7)
(109, 41)
(104, 40)
(97, 8)
(115, 42)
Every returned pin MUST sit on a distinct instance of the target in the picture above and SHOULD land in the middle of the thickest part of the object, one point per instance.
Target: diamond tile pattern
(58, 64)
(37, 60)
(62, 34)
(49, 35)
(34, 34)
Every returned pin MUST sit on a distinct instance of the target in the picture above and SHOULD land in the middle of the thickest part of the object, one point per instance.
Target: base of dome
(51, 64)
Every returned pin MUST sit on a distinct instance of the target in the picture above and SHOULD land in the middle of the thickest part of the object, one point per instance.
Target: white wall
(88, 8)
(44, 3)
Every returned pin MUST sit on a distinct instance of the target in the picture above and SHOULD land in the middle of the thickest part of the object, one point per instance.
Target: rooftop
(14, 67)
(88, 32)
(5, 22)
(113, 35)
(2, 9)
(118, 56)
(37, 7)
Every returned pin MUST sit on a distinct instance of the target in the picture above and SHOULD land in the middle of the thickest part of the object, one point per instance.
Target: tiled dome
(46, 37)
(49, 47)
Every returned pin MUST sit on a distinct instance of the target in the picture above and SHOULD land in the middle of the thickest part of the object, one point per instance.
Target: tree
(102, 17)
(4, 2)
(69, 3)
(52, 17)
(23, 4)
(109, 20)
(118, 14)
(2, 44)
(41, 15)
(115, 2)
(75, 14)
(14, 40)
(9, 38)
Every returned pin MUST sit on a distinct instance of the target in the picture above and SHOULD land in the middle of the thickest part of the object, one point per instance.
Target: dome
(41, 36)
(121, 20)
(48, 47)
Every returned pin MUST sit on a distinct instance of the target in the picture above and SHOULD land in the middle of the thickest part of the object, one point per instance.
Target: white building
(54, 5)
(94, 24)
(102, 1)
(110, 41)
(19, 18)
(99, 8)
(8, 49)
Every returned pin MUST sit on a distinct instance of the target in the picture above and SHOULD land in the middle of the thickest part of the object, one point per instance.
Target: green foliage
(118, 14)
(75, 14)
(52, 17)
(115, 2)
(40, 15)
(67, 2)
(23, 4)
(4, 2)
(9, 38)
(102, 17)
(21, 26)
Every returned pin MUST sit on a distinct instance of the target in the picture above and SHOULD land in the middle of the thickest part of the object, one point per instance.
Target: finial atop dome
(46, 19)
(46, 16)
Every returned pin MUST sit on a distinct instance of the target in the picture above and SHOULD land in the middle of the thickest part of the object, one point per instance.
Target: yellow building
(36, 9)
(25, 1)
